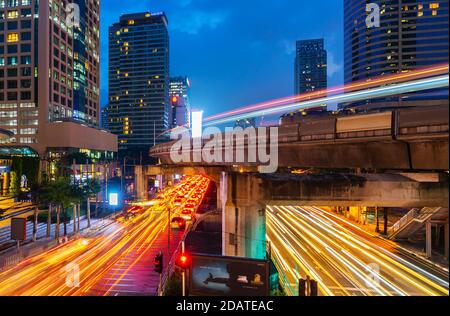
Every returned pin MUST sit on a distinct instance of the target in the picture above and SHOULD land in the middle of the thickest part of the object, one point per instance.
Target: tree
(14, 185)
(61, 194)
(76, 196)
(92, 188)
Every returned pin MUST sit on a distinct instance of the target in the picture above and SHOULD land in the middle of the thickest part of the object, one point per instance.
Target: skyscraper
(105, 117)
(49, 75)
(310, 66)
(412, 34)
(180, 101)
(139, 81)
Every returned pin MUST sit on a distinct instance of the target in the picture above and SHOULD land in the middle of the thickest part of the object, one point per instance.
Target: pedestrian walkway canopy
(22, 151)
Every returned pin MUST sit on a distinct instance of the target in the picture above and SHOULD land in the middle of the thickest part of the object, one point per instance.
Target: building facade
(310, 66)
(179, 93)
(412, 34)
(139, 81)
(104, 119)
(49, 74)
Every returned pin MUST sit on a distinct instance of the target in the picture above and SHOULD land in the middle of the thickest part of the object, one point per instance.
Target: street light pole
(168, 234)
(183, 274)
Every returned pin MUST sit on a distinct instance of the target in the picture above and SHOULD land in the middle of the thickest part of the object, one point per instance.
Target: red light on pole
(183, 261)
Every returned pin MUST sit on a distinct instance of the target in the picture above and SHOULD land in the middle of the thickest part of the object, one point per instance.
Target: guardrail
(419, 216)
(170, 268)
(405, 220)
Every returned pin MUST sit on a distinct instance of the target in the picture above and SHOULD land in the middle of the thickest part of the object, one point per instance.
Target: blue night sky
(236, 52)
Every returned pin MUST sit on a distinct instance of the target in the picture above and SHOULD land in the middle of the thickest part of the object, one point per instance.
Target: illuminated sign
(114, 199)
(197, 124)
(228, 276)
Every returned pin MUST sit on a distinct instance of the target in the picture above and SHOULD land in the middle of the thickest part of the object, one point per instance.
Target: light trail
(98, 256)
(400, 88)
(342, 257)
(360, 85)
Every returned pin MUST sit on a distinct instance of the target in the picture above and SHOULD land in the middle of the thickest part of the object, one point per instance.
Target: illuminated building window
(131, 22)
(13, 37)
(13, 14)
(434, 5)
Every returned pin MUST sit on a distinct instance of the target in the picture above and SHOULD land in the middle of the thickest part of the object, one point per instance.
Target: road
(114, 260)
(343, 258)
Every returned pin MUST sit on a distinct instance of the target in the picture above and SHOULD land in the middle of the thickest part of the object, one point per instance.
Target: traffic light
(302, 287)
(159, 263)
(183, 261)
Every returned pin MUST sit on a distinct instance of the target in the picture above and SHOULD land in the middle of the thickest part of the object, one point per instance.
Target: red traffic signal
(158, 263)
(183, 261)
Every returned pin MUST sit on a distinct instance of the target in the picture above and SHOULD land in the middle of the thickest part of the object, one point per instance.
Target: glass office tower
(412, 34)
(139, 81)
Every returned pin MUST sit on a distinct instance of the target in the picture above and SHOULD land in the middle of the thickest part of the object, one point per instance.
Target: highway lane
(343, 258)
(81, 266)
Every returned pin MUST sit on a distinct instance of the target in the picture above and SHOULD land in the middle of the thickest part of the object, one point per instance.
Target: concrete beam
(373, 190)
(381, 153)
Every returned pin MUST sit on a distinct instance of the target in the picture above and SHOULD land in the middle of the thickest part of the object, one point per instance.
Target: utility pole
(168, 232)
(378, 219)
(183, 274)
(123, 173)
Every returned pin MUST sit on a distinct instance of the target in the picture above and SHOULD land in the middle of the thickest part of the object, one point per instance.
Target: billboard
(19, 229)
(228, 276)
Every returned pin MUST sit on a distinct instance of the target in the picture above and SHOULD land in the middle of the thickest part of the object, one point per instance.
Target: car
(186, 211)
(135, 209)
(177, 202)
(190, 206)
(178, 223)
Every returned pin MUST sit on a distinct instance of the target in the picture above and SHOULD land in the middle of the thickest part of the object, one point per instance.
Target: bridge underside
(384, 190)
(381, 154)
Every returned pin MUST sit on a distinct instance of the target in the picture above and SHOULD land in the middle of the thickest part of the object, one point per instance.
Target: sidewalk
(10, 256)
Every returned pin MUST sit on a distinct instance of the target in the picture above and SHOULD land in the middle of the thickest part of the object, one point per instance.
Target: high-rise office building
(310, 66)
(412, 34)
(49, 75)
(105, 118)
(179, 92)
(139, 81)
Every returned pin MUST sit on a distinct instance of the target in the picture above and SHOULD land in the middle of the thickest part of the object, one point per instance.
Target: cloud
(333, 67)
(191, 22)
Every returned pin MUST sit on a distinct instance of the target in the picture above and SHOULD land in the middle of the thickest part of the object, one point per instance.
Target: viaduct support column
(141, 183)
(446, 240)
(243, 222)
(428, 239)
